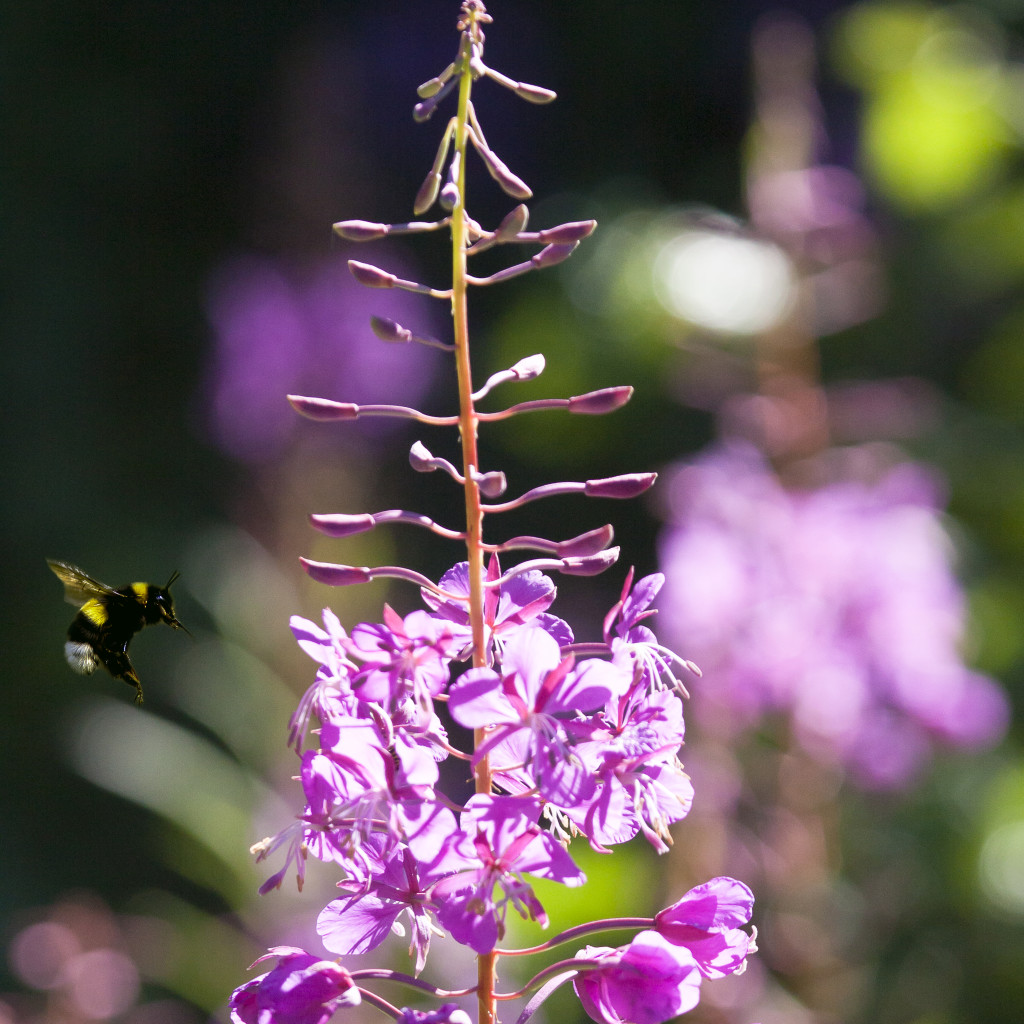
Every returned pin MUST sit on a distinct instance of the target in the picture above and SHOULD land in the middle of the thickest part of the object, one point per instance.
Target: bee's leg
(129, 676)
(120, 667)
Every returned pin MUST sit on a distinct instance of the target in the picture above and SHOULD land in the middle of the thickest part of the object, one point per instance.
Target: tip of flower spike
(336, 575)
(323, 409)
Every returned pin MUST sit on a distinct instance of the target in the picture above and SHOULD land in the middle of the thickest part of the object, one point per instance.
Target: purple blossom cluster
(834, 605)
(583, 742)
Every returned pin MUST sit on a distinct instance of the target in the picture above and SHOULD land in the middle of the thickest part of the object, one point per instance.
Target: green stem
(468, 424)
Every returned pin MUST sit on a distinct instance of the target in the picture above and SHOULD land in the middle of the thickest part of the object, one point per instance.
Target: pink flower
(300, 990)
(706, 922)
(647, 982)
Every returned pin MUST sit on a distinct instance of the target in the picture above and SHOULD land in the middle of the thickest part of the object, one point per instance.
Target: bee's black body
(108, 618)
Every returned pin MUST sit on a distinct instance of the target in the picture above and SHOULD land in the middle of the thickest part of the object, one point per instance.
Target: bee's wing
(79, 587)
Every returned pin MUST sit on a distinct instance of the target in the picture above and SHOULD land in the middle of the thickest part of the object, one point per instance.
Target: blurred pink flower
(836, 606)
(279, 329)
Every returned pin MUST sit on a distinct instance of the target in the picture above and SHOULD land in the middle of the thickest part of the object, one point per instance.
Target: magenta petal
(475, 700)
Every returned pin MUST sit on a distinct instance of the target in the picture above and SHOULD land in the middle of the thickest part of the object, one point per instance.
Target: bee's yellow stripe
(141, 591)
(94, 611)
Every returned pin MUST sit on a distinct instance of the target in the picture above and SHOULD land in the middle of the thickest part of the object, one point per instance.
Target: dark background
(146, 143)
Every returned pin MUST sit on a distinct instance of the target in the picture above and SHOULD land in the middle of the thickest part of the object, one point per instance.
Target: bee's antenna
(174, 576)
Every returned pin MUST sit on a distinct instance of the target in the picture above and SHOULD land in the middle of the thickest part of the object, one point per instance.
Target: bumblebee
(108, 618)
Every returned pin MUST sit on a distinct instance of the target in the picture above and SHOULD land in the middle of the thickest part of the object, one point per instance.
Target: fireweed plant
(571, 740)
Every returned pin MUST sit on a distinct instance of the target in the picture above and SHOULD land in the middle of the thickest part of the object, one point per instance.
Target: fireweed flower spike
(571, 739)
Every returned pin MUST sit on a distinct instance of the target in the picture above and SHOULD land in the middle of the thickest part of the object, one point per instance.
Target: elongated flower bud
(597, 403)
(323, 409)
(573, 231)
(372, 277)
(628, 485)
(589, 543)
(360, 230)
(590, 565)
(552, 255)
(512, 223)
(336, 575)
(510, 184)
(338, 525)
(433, 85)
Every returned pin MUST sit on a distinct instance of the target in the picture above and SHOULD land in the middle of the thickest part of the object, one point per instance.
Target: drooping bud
(427, 193)
(510, 184)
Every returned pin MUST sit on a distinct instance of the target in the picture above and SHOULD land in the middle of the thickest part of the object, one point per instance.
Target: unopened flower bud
(389, 330)
(420, 458)
(492, 485)
(512, 223)
(573, 231)
(323, 409)
(529, 367)
(372, 277)
(628, 485)
(360, 230)
(590, 565)
(449, 197)
(597, 403)
(427, 194)
(338, 525)
(589, 543)
(534, 93)
(336, 575)
(433, 85)
(510, 184)
(551, 255)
